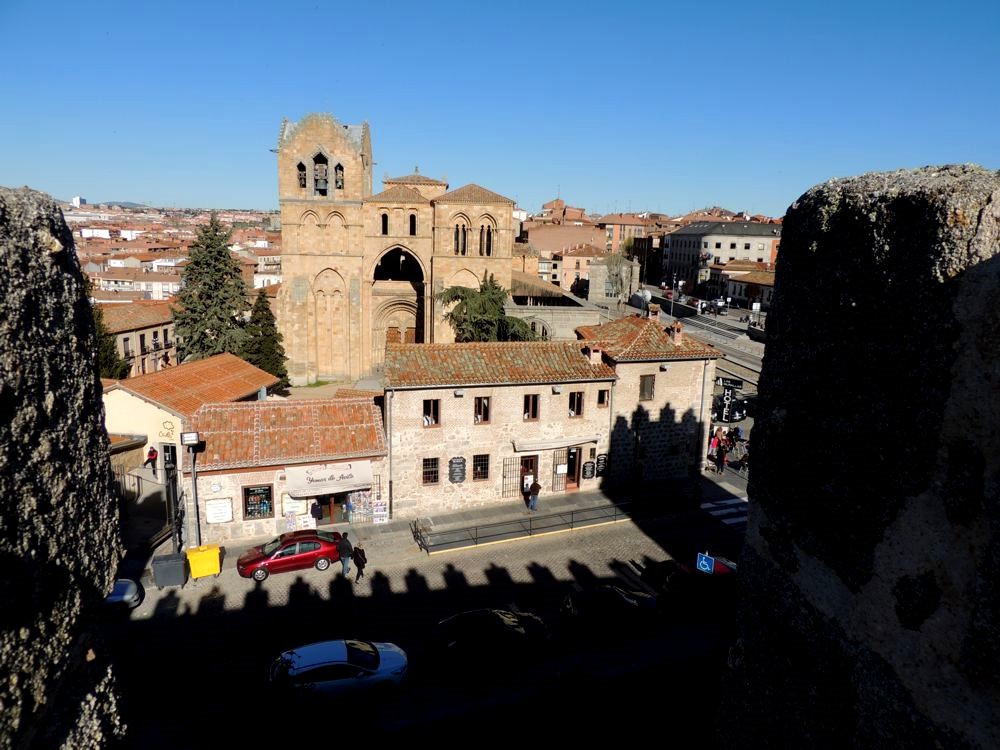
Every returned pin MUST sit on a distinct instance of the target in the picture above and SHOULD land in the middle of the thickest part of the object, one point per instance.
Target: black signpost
(456, 470)
(602, 463)
(589, 469)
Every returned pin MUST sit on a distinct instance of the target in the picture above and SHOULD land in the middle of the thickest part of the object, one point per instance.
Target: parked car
(293, 551)
(125, 595)
(339, 668)
(493, 635)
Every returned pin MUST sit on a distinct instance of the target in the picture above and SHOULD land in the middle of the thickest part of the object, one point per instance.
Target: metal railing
(517, 528)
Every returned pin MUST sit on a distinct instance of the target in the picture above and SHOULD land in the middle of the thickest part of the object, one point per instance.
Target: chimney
(653, 311)
(675, 333)
(594, 354)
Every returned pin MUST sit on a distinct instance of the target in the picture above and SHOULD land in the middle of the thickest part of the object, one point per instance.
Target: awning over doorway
(309, 481)
(521, 446)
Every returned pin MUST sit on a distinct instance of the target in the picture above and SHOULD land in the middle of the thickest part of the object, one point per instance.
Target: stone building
(144, 334)
(266, 463)
(361, 270)
(474, 424)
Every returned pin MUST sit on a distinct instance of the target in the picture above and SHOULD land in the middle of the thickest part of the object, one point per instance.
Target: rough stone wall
(59, 535)
(459, 435)
(870, 600)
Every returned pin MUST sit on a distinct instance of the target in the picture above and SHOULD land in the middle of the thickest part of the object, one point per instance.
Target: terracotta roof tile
(397, 194)
(135, 315)
(472, 194)
(636, 339)
(761, 278)
(493, 363)
(273, 433)
(582, 250)
(184, 388)
(415, 179)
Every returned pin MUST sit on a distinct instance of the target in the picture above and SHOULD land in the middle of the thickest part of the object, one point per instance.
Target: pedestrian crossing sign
(705, 563)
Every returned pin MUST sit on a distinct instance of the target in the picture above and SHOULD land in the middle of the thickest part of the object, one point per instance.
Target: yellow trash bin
(204, 560)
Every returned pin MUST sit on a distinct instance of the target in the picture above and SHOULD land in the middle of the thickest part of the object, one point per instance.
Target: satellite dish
(646, 295)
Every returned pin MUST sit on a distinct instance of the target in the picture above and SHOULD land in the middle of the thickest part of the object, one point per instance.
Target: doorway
(573, 469)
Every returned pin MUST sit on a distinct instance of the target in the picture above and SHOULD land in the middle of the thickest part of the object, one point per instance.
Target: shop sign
(456, 470)
(328, 479)
(295, 506)
(602, 464)
(589, 470)
(561, 468)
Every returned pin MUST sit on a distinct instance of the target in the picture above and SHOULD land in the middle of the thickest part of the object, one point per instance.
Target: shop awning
(310, 481)
(521, 446)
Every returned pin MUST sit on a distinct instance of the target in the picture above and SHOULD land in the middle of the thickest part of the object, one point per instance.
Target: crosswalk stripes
(732, 512)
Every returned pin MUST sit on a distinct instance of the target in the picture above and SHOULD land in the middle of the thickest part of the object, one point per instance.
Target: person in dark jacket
(345, 549)
(360, 561)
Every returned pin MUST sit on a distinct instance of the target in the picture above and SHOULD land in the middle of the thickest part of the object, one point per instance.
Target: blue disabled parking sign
(705, 563)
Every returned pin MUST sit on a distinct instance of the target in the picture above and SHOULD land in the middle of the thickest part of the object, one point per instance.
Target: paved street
(191, 662)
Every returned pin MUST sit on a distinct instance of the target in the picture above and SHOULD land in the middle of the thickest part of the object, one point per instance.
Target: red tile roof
(274, 433)
(184, 388)
(397, 194)
(135, 315)
(415, 179)
(472, 194)
(636, 339)
(493, 363)
(623, 219)
(760, 278)
(582, 250)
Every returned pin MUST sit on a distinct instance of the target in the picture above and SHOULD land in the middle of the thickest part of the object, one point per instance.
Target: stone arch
(336, 231)
(487, 219)
(465, 278)
(309, 218)
(395, 321)
(332, 324)
(398, 279)
(540, 328)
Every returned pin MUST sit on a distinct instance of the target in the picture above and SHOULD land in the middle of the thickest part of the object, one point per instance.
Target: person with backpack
(151, 457)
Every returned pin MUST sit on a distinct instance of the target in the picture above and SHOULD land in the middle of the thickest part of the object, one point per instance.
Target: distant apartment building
(692, 249)
(619, 228)
(78, 201)
(153, 286)
(575, 264)
(144, 335)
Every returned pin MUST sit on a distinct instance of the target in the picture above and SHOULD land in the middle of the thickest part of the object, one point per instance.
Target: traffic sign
(705, 563)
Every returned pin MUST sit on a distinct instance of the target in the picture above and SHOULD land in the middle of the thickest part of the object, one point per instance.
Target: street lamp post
(673, 293)
(191, 441)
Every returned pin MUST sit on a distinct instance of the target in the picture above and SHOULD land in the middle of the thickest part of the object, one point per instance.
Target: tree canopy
(478, 314)
(213, 301)
(262, 347)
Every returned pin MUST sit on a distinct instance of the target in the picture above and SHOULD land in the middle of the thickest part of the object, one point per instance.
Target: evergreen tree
(213, 299)
(109, 363)
(262, 347)
(479, 314)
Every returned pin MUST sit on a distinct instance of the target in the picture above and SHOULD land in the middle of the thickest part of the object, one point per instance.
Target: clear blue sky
(661, 106)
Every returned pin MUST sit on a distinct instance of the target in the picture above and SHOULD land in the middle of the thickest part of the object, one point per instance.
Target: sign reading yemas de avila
(310, 481)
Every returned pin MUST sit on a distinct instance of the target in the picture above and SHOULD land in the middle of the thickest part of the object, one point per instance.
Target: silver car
(340, 667)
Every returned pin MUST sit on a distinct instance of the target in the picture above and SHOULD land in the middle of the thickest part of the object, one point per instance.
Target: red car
(294, 551)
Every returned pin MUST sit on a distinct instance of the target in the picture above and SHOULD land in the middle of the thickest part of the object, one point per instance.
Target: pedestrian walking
(360, 561)
(533, 491)
(720, 457)
(151, 457)
(345, 549)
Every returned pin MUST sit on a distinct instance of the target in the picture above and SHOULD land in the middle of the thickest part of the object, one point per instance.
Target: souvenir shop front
(339, 493)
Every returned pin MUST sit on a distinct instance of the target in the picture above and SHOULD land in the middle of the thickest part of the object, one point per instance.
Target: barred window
(430, 471)
(258, 502)
(481, 466)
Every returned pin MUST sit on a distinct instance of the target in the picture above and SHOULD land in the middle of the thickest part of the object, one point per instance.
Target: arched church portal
(398, 302)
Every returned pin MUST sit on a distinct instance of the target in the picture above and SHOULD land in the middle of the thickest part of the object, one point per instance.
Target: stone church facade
(362, 270)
